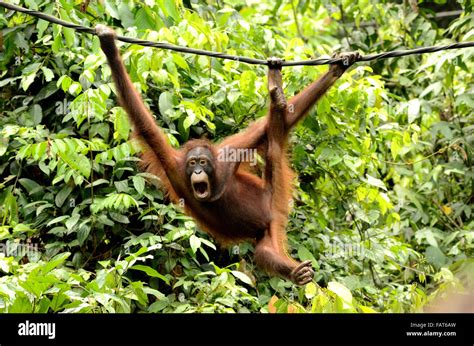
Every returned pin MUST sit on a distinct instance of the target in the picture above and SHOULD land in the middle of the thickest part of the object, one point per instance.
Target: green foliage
(383, 205)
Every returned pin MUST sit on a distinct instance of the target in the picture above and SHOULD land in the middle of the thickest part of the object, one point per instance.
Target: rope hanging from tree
(168, 46)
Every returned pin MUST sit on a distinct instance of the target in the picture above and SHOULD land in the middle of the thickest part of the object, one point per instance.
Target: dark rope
(168, 46)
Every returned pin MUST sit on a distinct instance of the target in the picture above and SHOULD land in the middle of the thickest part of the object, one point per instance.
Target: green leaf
(55, 262)
(3, 146)
(43, 305)
(121, 186)
(166, 103)
(119, 218)
(375, 182)
(62, 195)
(38, 150)
(170, 9)
(189, 120)
(75, 88)
(57, 219)
(139, 184)
(48, 73)
(310, 290)
(150, 272)
(143, 20)
(305, 255)
(32, 68)
(248, 83)
(68, 33)
(111, 9)
(83, 233)
(121, 124)
(64, 82)
(395, 146)
(159, 305)
(467, 99)
(242, 277)
(125, 15)
(435, 256)
(433, 87)
(21, 304)
(366, 309)
(413, 110)
(195, 243)
(77, 162)
(72, 221)
(30, 186)
(429, 235)
(341, 291)
(180, 61)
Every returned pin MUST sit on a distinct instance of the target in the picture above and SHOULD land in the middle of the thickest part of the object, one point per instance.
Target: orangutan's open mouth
(201, 188)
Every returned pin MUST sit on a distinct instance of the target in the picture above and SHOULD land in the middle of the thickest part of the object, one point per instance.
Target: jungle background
(384, 188)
